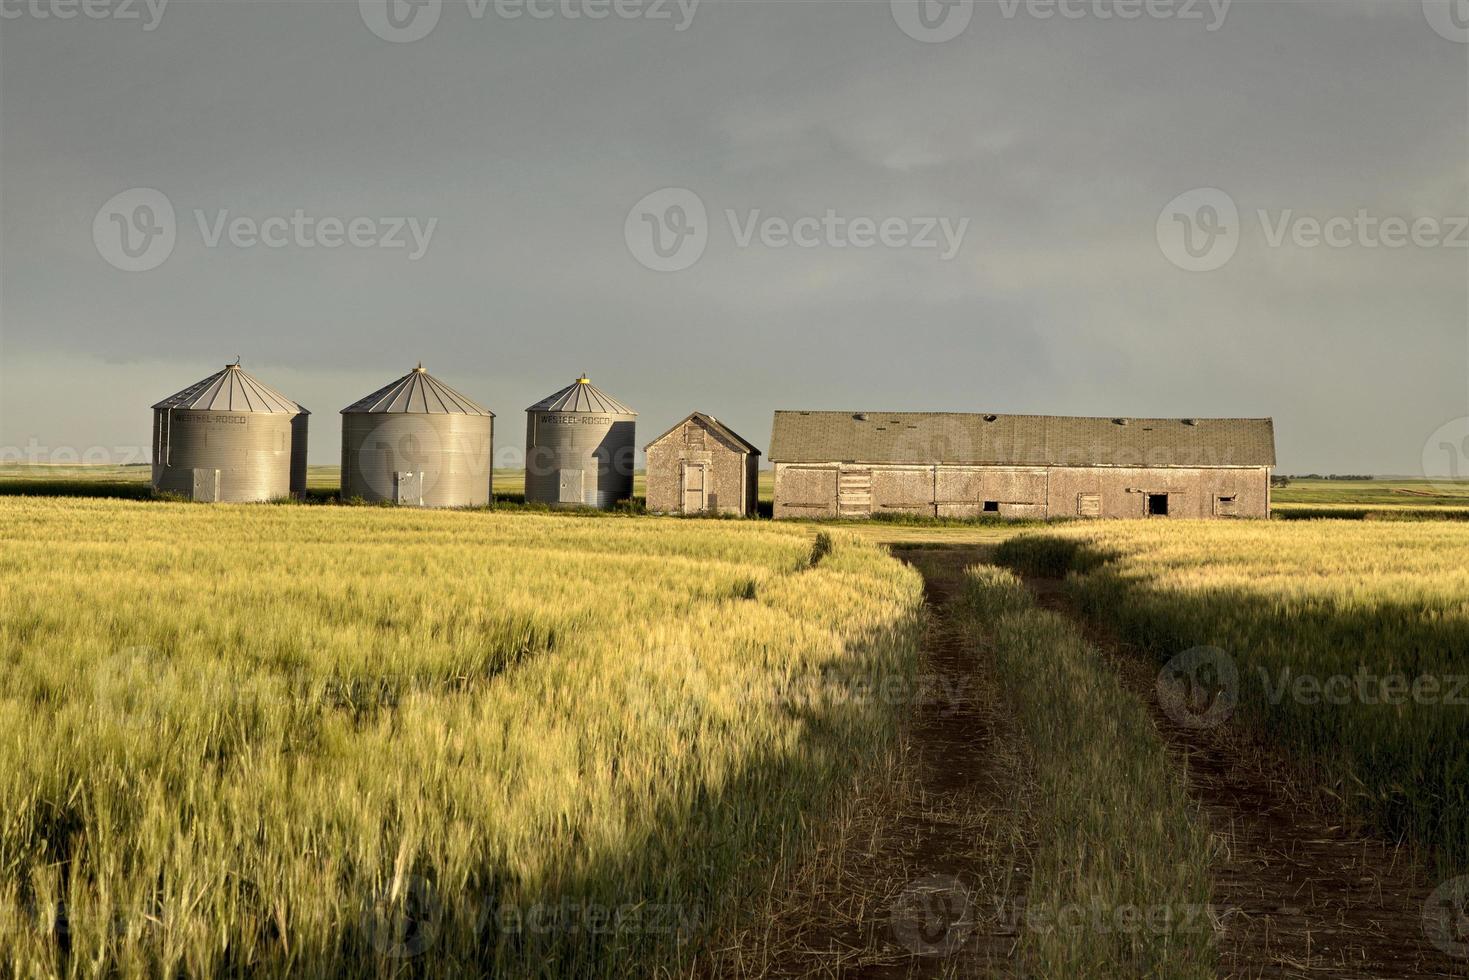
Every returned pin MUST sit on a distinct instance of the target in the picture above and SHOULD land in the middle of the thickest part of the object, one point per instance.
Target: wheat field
(386, 742)
(1350, 642)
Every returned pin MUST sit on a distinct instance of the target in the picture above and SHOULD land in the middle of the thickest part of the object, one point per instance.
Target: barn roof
(717, 426)
(1018, 440)
(581, 396)
(232, 390)
(420, 393)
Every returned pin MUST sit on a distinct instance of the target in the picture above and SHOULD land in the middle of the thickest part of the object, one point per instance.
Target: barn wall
(810, 490)
(805, 490)
(1191, 492)
(728, 470)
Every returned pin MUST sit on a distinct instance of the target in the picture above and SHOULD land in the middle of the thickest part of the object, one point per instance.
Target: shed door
(569, 487)
(206, 485)
(408, 489)
(695, 488)
(854, 493)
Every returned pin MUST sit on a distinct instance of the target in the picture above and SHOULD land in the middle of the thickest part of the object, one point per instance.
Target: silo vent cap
(419, 369)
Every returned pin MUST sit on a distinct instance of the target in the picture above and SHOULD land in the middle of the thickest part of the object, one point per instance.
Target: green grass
(1120, 880)
(1311, 603)
(384, 742)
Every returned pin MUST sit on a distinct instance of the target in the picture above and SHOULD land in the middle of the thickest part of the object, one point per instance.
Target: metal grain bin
(230, 438)
(579, 448)
(418, 442)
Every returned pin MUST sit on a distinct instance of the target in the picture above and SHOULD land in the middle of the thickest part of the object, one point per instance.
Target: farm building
(856, 464)
(230, 438)
(418, 442)
(579, 448)
(702, 466)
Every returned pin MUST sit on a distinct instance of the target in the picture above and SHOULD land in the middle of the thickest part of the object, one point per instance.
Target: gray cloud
(529, 140)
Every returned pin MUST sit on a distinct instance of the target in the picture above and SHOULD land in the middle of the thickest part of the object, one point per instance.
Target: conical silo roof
(232, 390)
(582, 396)
(420, 393)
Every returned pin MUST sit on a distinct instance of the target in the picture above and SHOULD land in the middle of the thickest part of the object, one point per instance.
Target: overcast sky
(987, 193)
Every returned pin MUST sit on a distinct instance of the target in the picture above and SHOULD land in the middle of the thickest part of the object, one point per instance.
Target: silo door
(569, 487)
(695, 488)
(408, 489)
(206, 485)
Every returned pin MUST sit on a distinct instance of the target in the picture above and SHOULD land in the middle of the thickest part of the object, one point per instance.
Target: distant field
(319, 741)
(131, 481)
(1301, 498)
(1348, 643)
(1384, 493)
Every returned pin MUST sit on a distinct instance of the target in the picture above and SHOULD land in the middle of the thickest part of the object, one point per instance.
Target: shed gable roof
(712, 424)
(1018, 440)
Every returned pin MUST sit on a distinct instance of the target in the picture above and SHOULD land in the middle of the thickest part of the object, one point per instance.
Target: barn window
(1089, 505)
(693, 435)
(991, 506)
(1158, 505)
(1226, 505)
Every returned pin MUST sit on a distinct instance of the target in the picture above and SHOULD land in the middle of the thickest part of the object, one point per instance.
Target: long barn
(943, 464)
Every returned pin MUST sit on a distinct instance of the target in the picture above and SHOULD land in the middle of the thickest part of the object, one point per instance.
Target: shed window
(1089, 505)
(1226, 505)
(991, 506)
(1158, 505)
(693, 435)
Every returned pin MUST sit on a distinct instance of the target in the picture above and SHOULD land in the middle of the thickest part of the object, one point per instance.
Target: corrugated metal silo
(418, 442)
(230, 438)
(579, 448)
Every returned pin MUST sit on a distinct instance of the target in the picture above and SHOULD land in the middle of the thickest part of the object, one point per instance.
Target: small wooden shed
(702, 466)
